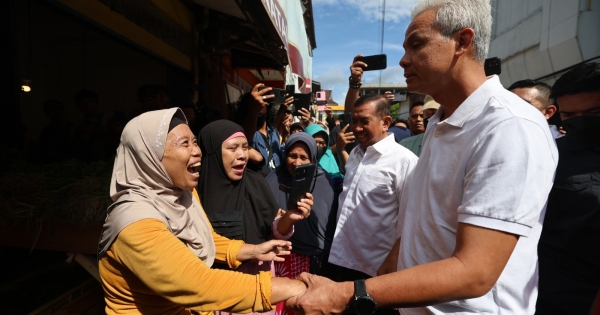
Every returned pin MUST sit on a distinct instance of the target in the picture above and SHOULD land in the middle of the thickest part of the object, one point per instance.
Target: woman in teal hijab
(324, 155)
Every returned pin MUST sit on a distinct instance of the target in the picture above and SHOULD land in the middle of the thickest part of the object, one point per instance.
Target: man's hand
(344, 138)
(356, 69)
(322, 296)
(260, 98)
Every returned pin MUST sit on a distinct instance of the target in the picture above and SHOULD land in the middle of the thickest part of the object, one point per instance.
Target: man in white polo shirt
(476, 200)
(376, 173)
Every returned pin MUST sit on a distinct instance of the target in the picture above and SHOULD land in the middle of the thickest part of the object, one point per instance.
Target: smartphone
(280, 95)
(301, 101)
(321, 98)
(399, 97)
(290, 89)
(492, 66)
(346, 119)
(374, 62)
(301, 184)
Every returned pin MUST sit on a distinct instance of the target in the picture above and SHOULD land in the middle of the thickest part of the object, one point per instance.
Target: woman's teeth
(195, 168)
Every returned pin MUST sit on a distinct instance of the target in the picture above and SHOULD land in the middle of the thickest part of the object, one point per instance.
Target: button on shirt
(490, 164)
(369, 205)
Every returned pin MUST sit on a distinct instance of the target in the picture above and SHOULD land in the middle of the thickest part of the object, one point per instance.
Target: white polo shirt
(369, 205)
(490, 164)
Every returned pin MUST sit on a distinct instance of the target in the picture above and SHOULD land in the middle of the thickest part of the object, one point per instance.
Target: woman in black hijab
(312, 237)
(238, 201)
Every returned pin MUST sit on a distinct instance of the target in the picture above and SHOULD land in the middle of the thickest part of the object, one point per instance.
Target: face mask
(320, 152)
(425, 122)
(586, 129)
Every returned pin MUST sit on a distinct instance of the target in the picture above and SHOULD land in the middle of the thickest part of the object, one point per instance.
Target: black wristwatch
(363, 303)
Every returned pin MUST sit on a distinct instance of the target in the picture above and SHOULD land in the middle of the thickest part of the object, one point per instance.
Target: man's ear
(549, 111)
(387, 122)
(464, 41)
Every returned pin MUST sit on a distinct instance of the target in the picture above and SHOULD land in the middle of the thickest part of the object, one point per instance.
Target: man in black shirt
(569, 248)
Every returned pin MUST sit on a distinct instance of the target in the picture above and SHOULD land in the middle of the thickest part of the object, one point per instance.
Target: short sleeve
(508, 177)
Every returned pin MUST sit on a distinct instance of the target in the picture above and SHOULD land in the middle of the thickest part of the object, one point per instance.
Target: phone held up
(301, 184)
(280, 95)
(492, 66)
(346, 119)
(374, 62)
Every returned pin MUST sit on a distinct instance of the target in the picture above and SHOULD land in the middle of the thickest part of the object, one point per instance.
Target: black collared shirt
(569, 248)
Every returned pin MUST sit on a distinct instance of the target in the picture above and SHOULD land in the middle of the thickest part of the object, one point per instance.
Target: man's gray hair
(455, 15)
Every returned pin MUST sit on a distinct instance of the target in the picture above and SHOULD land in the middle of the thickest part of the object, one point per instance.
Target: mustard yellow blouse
(148, 270)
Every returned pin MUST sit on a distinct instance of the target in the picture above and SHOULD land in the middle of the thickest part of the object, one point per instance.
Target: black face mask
(586, 129)
(320, 152)
(425, 122)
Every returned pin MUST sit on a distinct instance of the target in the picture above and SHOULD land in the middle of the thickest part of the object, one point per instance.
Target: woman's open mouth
(194, 169)
(239, 169)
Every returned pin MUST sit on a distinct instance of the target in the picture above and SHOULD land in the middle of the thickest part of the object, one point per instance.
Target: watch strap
(360, 289)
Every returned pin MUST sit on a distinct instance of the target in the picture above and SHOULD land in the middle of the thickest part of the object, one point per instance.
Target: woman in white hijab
(157, 245)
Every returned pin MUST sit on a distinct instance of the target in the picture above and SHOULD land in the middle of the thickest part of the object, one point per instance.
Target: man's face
(581, 104)
(428, 57)
(415, 120)
(367, 126)
(427, 113)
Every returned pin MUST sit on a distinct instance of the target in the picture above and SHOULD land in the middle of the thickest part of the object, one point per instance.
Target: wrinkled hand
(389, 95)
(305, 118)
(303, 211)
(272, 250)
(322, 296)
(344, 137)
(260, 98)
(356, 69)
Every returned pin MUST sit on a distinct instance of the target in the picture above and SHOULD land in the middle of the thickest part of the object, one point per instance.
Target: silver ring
(264, 97)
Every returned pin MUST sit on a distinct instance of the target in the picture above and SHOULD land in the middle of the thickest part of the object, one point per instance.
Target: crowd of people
(474, 205)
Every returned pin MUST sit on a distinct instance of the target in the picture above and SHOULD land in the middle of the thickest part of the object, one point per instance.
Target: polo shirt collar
(477, 99)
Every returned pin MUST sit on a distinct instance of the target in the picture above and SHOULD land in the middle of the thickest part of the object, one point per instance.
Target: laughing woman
(157, 245)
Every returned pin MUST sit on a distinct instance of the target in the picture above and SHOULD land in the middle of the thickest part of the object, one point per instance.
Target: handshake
(312, 294)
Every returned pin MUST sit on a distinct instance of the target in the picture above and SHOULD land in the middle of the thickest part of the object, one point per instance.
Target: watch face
(364, 306)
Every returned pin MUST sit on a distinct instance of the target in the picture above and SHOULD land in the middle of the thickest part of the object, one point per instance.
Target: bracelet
(353, 85)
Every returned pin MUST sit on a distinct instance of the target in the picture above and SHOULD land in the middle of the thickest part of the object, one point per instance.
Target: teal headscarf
(327, 162)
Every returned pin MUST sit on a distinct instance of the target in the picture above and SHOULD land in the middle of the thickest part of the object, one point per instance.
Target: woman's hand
(286, 223)
(305, 118)
(303, 210)
(288, 101)
(267, 251)
(272, 250)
